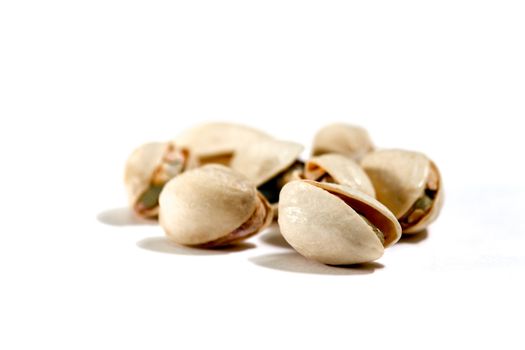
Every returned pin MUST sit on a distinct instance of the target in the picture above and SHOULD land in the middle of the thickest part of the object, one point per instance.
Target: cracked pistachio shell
(260, 161)
(208, 204)
(147, 165)
(430, 217)
(140, 167)
(342, 170)
(400, 178)
(217, 142)
(349, 140)
(323, 222)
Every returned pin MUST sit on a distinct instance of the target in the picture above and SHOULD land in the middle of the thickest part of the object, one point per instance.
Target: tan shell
(400, 178)
(207, 204)
(217, 142)
(341, 169)
(321, 222)
(349, 140)
(140, 167)
(260, 161)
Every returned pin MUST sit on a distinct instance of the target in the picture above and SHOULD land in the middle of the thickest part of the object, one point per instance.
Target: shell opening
(149, 200)
(424, 204)
(316, 173)
(313, 171)
(377, 231)
(174, 161)
(224, 159)
(257, 221)
(385, 228)
(271, 188)
(326, 178)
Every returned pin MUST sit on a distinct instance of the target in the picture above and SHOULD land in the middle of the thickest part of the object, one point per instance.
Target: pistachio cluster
(219, 183)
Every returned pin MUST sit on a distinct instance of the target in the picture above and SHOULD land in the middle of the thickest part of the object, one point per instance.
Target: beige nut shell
(431, 216)
(216, 139)
(205, 204)
(262, 160)
(320, 222)
(343, 170)
(436, 207)
(140, 167)
(346, 139)
(399, 178)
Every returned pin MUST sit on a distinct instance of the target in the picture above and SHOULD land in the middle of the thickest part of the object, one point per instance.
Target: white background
(84, 82)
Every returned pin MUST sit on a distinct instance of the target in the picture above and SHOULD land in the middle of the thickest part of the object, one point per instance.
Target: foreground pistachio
(148, 168)
(409, 184)
(270, 164)
(217, 142)
(349, 140)
(335, 224)
(212, 206)
(336, 168)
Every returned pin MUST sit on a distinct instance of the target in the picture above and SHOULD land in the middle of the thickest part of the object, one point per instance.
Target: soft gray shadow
(164, 245)
(273, 236)
(293, 262)
(414, 238)
(122, 217)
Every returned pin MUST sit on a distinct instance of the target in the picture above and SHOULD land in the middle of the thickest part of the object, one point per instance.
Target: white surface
(81, 84)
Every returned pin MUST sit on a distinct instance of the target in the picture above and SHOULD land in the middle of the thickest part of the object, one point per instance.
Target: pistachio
(335, 224)
(147, 170)
(212, 206)
(409, 184)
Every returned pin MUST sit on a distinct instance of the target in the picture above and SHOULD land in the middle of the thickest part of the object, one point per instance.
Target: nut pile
(218, 184)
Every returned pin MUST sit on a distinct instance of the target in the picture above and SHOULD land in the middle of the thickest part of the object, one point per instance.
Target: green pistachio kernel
(150, 198)
(377, 231)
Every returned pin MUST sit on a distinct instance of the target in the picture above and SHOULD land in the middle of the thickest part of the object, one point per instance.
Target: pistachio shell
(262, 160)
(207, 204)
(349, 140)
(147, 169)
(140, 167)
(216, 142)
(434, 211)
(323, 222)
(342, 170)
(400, 178)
